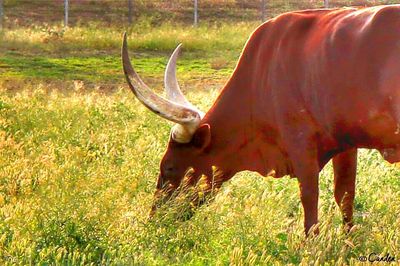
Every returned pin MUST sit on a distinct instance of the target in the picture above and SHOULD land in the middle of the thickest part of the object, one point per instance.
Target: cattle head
(186, 155)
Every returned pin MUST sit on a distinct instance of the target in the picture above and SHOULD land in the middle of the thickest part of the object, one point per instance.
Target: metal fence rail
(1, 14)
(126, 12)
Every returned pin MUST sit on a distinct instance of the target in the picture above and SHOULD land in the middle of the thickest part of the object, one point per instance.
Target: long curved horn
(175, 112)
(171, 85)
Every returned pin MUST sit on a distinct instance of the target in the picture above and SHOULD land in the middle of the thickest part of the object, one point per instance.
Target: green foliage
(77, 175)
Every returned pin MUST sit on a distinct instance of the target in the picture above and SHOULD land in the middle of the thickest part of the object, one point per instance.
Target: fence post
(263, 7)
(130, 11)
(196, 14)
(326, 3)
(66, 7)
(1, 14)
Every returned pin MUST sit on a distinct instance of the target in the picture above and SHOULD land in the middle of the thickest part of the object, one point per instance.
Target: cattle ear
(202, 137)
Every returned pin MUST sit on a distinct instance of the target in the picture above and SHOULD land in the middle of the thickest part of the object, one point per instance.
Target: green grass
(100, 68)
(79, 158)
(93, 55)
(77, 174)
(143, 36)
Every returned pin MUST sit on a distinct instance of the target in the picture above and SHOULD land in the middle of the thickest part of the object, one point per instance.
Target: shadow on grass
(72, 68)
(97, 69)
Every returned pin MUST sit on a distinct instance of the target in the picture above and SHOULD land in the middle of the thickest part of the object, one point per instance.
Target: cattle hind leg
(390, 136)
(345, 168)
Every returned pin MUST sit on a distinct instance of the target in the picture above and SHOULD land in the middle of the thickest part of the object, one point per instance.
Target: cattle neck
(242, 135)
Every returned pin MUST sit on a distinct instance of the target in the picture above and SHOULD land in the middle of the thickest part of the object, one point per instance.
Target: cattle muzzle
(181, 199)
(164, 192)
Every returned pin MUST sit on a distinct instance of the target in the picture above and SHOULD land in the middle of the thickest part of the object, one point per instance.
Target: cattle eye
(169, 170)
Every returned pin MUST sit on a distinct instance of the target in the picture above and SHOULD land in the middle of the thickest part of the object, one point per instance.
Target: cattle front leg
(309, 194)
(345, 168)
(300, 138)
(305, 166)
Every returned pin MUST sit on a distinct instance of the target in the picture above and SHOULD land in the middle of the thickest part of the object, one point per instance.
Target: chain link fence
(16, 13)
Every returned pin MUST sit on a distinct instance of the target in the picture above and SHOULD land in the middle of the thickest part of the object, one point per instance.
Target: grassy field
(79, 159)
(77, 175)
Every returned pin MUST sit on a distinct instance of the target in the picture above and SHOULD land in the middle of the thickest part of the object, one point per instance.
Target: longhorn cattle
(310, 86)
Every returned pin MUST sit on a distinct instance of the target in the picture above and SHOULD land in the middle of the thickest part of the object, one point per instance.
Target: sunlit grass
(92, 55)
(77, 175)
(142, 36)
(79, 158)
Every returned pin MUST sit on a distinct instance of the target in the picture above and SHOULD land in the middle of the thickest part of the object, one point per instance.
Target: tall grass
(77, 175)
(142, 36)
(92, 54)
(78, 163)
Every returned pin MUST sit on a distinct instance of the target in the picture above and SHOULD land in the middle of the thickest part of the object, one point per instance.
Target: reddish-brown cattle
(309, 86)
